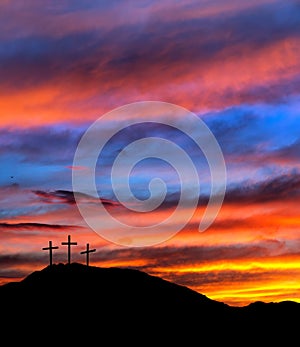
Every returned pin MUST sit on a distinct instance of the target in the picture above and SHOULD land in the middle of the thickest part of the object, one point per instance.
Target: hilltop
(92, 299)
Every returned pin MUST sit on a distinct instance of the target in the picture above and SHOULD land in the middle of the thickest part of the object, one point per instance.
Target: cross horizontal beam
(69, 244)
(50, 248)
(87, 252)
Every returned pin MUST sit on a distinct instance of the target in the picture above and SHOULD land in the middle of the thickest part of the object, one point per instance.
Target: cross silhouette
(50, 248)
(87, 252)
(69, 244)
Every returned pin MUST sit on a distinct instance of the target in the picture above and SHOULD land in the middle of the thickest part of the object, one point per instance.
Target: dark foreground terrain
(74, 303)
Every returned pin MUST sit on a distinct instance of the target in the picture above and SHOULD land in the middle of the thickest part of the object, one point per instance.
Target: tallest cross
(69, 244)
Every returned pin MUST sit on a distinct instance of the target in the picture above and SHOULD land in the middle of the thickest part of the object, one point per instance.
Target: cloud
(156, 257)
(288, 153)
(54, 144)
(67, 197)
(187, 256)
(34, 226)
(236, 64)
(281, 188)
(196, 58)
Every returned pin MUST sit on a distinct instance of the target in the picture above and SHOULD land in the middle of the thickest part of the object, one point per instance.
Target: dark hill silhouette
(121, 304)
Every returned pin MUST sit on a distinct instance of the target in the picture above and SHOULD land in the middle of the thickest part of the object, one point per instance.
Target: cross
(69, 244)
(87, 252)
(50, 248)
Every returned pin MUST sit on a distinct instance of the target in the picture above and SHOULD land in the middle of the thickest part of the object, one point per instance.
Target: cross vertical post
(50, 248)
(69, 244)
(87, 252)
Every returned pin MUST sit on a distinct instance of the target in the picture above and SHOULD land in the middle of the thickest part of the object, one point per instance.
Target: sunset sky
(235, 64)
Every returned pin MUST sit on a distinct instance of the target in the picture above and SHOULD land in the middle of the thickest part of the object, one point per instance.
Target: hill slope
(92, 299)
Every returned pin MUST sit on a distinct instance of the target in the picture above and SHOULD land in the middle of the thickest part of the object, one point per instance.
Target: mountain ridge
(126, 299)
(80, 268)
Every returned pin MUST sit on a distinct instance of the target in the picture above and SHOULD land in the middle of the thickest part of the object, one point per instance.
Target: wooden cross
(50, 248)
(69, 244)
(87, 252)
